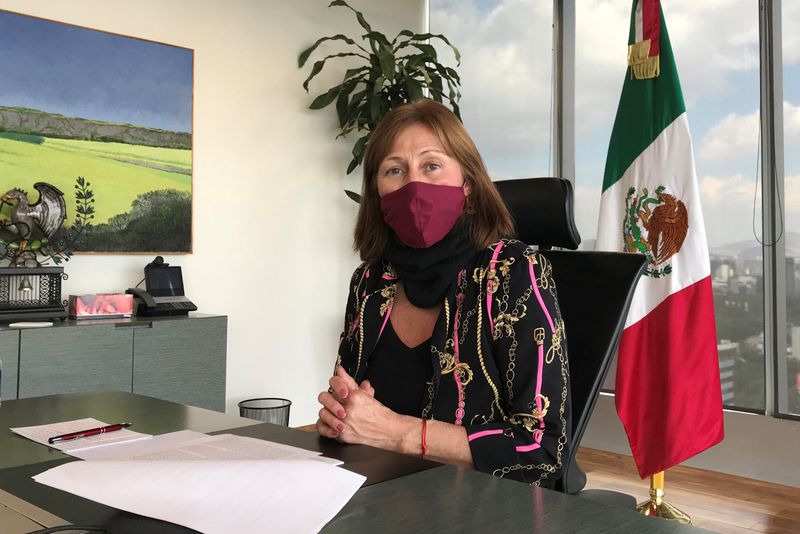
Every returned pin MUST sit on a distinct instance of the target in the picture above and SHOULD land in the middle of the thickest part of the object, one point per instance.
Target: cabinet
(66, 360)
(180, 359)
(182, 364)
(9, 355)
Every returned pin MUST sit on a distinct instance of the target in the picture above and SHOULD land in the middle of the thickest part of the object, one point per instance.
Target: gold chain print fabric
(499, 357)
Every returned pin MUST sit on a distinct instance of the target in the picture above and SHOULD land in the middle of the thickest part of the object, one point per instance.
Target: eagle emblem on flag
(655, 226)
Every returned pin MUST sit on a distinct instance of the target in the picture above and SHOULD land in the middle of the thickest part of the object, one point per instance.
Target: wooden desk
(402, 493)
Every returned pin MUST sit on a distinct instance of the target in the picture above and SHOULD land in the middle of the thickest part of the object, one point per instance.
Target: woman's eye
(392, 171)
(432, 167)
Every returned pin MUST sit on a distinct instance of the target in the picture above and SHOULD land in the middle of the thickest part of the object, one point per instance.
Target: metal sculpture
(47, 214)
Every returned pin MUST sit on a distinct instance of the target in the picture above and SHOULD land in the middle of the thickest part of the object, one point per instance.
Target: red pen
(87, 433)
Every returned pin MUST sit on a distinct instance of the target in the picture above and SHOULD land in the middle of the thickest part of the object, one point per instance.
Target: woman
(453, 346)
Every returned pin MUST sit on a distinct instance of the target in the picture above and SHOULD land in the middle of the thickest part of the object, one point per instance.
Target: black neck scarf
(427, 273)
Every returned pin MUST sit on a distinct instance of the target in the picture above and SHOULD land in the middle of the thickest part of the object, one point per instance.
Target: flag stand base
(657, 507)
(664, 510)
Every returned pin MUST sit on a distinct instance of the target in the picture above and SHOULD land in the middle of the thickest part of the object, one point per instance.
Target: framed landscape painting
(113, 111)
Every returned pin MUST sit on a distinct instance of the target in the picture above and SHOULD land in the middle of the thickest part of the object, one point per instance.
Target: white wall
(272, 228)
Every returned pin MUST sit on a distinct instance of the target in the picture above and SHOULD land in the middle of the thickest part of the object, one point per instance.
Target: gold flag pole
(657, 507)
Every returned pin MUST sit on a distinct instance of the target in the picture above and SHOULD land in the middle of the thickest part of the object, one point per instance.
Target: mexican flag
(668, 393)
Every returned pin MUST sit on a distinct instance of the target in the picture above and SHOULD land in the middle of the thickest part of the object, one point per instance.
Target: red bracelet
(424, 432)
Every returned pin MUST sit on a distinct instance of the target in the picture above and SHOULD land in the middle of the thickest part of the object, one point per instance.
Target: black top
(400, 373)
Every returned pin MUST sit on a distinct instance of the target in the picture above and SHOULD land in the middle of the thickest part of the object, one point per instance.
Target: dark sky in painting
(85, 73)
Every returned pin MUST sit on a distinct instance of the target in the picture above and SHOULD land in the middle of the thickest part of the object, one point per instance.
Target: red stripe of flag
(651, 24)
(668, 393)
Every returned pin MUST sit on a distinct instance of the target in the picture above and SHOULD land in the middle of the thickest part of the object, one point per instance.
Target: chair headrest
(543, 211)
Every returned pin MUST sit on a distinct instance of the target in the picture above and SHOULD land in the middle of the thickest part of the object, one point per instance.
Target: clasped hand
(350, 413)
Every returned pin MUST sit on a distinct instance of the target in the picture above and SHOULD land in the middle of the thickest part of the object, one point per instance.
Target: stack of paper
(215, 496)
(213, 484)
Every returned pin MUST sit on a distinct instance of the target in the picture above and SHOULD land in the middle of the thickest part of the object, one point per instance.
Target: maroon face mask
(421, 214)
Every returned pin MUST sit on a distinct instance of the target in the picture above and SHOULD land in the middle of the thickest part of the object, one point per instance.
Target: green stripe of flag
(646, 108)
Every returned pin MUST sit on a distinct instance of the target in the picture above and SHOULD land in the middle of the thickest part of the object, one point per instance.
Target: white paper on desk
(41, 433)
(215, 497)
(186, 445)
(126, 451)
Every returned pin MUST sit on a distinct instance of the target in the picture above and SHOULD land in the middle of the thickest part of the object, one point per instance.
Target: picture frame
(112, 109)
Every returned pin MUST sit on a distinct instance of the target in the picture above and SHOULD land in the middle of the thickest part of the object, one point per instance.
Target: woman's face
(417, 155)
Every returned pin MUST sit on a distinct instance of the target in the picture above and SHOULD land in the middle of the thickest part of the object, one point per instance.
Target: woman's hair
(485, 212)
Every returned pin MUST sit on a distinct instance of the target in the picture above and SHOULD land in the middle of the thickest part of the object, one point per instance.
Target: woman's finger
(339, 387)
(332, 404)
(332, 421)
(366, 386)
(349, 382)
(325, 430)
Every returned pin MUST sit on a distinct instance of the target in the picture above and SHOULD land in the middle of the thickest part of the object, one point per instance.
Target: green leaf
(425, 37)
(386, 58)
(436, 93)
(456, 109)
(426, 49)
(414, 89)
(36, 245)
(414, 61)
(352, 112)
(349, 73)
(353, 164)
(321, 63)
(355, 197)
(375, 114)
(301, 60)
(377, 86)
(342, 101)
(325, 98)
(359, 16)
(377, 37)
(358, 148)
(422, 70)
(453, 74)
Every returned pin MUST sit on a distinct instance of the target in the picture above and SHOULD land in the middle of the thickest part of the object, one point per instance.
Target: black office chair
(594, 289)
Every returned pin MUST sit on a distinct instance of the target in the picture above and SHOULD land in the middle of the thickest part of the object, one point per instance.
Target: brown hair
(485, 212)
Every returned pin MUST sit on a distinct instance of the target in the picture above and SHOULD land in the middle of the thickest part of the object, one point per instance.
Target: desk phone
(164, 294)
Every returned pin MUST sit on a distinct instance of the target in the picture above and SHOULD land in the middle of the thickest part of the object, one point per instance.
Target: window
(507, 76)
(506, 79)
(717, 54)
(791, 141)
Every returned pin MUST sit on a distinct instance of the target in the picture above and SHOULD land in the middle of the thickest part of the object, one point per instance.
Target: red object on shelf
(100, 306)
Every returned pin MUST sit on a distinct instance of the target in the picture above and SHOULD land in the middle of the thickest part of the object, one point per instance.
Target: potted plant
(387, 74)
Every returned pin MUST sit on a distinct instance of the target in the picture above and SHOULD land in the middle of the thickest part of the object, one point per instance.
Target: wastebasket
(269, 409)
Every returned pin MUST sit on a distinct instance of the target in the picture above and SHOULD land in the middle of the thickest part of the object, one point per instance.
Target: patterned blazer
(499, 357)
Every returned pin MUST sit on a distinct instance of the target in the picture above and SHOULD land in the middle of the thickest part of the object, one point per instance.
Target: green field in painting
(118, 172)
